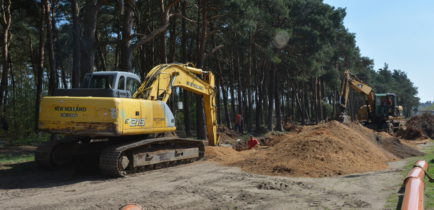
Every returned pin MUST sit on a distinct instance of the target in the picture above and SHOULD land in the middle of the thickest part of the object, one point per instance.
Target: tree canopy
(275, 60)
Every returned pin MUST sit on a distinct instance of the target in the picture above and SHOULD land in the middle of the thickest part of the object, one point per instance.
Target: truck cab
(104, 84)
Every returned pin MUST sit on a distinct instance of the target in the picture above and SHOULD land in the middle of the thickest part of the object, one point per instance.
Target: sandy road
(200, 185)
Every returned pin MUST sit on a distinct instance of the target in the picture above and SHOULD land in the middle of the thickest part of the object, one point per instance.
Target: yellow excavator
(121, 121)
(381, 111)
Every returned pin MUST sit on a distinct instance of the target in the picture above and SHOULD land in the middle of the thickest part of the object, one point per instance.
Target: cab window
(121, 83)
(132, 84)
(101, 81)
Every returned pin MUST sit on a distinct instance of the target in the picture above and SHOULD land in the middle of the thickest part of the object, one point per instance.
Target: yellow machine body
(102, 110)
(145, 113)
(104, 116)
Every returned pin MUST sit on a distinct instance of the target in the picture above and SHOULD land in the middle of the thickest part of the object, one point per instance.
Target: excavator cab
(386, 105)
(104, 84)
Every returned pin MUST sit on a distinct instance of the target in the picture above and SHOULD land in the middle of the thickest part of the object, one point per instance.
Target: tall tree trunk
(315, 97)
(51, 58)
(172, 41)
(14, 96)
(240, 87)
(225, 105)
(271, 92)
(101, 55)
(88, 40)
(40, 66)
(299, 102)
(249, 119)
(277, 102)
(232, 90)
(127, 19)
(202, 38)
(185, 94)
(163, 57)
(65, 85)
(6, 21)
(260, 98)
(75, 44)
(224, 90)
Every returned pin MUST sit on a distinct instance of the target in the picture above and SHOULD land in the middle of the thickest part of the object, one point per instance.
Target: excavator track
(123, 159)
(51, 154)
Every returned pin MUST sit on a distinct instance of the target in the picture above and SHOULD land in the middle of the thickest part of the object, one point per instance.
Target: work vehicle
(381, 111)
(126, 133)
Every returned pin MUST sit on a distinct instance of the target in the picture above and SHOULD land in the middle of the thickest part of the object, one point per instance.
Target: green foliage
(31, 139)
(15, 158)
(302, 41)
(396, 81)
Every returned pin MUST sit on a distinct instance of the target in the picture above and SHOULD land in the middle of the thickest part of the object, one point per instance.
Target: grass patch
(31, 140)
(16, 158)
(394, 200)
(429, 187)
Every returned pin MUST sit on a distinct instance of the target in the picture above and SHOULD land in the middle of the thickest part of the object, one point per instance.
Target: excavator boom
(352, 81)
(160, 81)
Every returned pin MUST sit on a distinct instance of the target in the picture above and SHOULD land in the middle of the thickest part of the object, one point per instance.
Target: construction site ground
(200, 185)
(326, 166)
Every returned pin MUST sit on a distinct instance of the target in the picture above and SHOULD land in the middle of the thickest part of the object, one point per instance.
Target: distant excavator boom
(352, 81)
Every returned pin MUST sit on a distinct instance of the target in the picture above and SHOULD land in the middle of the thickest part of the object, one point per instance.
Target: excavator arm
(160, 81)
(352, 81)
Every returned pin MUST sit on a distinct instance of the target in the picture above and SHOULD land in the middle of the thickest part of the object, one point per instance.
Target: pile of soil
(227, 136)
(288, 126)
(388, 142)
(322, 150)
(396, 146)
(419, 127)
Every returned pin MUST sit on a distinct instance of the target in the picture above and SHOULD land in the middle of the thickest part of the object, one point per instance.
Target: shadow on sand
(30, 175)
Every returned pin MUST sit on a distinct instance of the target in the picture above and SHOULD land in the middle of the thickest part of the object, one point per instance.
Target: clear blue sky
(397, 32)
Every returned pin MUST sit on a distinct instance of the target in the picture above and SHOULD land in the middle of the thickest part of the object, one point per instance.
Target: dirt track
(201, 185)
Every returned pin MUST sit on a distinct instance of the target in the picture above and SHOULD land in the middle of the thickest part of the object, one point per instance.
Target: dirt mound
(388, 142)
(227, 136)
(396, 147)
(322, 150)
(226, 154)
(288, 126)
(419, 127)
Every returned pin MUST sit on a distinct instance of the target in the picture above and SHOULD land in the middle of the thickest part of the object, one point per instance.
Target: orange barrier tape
(414, 187)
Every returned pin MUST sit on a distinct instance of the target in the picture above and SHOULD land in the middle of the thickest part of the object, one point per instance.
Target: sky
(397, 32)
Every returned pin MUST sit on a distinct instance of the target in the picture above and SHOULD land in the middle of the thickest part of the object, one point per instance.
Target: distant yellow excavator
(101, 119)
(381, 111)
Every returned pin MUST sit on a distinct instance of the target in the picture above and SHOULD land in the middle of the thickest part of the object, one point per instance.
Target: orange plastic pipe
(414, 187)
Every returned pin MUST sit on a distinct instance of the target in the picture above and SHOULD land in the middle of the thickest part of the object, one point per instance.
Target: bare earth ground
(200, 185)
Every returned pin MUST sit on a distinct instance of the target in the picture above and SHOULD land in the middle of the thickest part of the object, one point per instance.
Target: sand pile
(322, 150)
(419, 127)
(396, 146)
(227, 136)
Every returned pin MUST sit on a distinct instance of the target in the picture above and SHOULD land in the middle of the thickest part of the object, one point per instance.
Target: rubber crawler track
(44, 153)
(108, 160)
